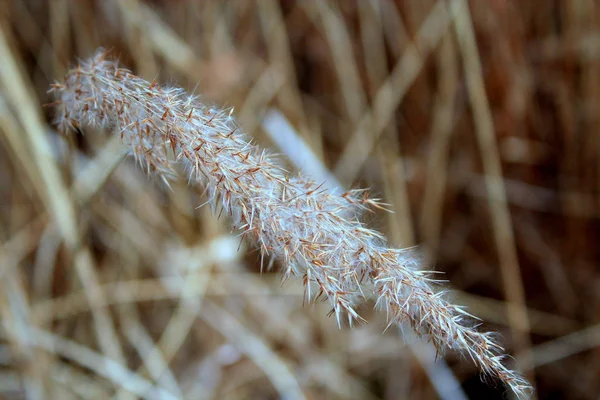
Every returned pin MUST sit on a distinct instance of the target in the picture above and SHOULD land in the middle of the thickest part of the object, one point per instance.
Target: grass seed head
(317, 235)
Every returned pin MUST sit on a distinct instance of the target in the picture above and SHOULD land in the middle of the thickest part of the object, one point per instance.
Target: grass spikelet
(315, 233)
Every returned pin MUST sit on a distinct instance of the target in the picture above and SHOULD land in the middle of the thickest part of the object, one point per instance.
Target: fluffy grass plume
(315, 233)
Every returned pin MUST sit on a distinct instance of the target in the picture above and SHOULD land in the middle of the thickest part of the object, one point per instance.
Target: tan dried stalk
(315, 233)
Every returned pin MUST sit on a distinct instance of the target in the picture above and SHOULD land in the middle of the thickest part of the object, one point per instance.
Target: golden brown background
(478, 121)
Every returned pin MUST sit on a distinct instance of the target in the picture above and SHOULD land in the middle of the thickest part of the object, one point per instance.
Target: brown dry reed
(315, 233)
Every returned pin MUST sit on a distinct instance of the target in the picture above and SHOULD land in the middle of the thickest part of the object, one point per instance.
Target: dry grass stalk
(315, 233)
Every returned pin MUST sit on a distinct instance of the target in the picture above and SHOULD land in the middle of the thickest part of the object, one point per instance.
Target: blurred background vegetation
(478, 121)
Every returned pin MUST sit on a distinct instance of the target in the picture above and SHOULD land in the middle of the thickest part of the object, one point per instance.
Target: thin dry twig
(501, 221)
(55, 194)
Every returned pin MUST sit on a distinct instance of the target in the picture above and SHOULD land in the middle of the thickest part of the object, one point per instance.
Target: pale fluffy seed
(316, 234)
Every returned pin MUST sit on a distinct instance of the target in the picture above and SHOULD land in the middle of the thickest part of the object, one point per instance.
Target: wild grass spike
(315, 233)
